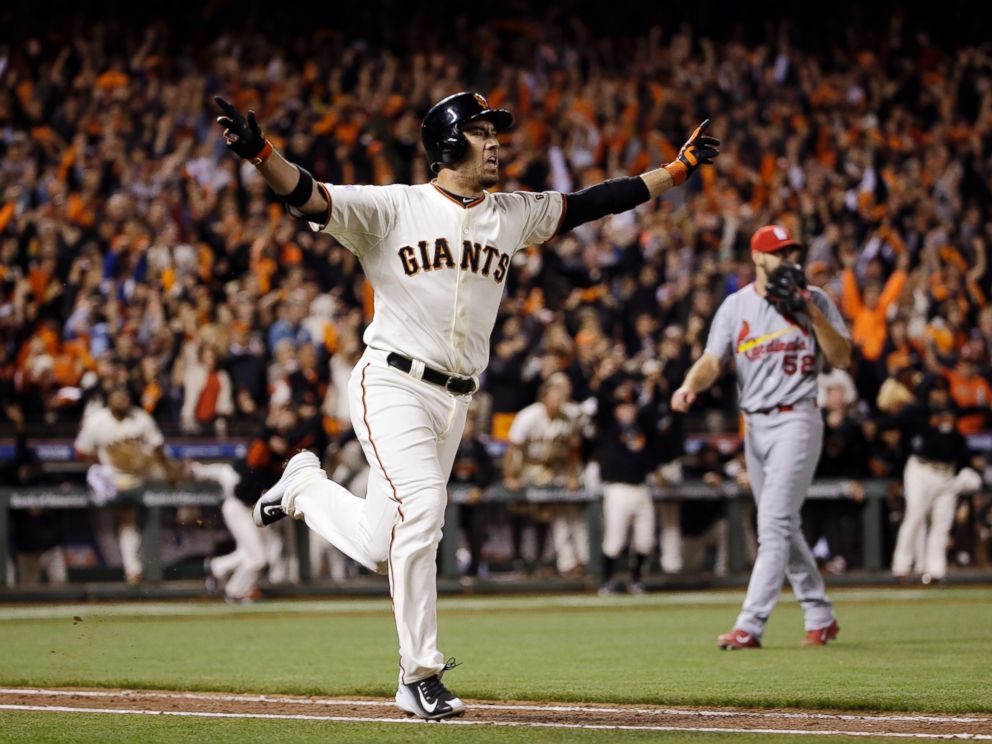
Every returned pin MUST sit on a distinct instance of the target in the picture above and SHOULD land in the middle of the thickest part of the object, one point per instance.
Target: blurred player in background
(125, 449)
(544, 452)
(625, 422)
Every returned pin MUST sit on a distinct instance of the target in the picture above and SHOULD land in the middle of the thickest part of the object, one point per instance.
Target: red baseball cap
(771, 238)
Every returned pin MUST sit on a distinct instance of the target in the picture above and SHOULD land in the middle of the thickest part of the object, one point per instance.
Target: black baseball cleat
(429, 699)
(268, 509)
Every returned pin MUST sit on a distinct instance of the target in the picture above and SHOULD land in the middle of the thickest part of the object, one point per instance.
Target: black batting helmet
(441, 130)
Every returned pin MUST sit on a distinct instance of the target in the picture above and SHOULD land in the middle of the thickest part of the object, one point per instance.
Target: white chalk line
(507, 724)
(160, 609)
(338, 702)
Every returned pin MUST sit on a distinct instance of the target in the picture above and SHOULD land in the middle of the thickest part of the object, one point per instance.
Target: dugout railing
(157, 497)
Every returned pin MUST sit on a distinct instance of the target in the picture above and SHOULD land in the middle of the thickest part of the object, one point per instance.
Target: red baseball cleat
(821, 636)
(737, 638)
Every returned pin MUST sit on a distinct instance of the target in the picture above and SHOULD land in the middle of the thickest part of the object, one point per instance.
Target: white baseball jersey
(101, 429)
(777, 358)
(546, 442)
(437, 267)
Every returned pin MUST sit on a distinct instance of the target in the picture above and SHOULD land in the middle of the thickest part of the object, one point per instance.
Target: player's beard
(489, 179)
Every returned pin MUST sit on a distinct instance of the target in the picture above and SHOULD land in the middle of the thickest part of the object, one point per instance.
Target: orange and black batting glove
(243, 135)
(698, 150)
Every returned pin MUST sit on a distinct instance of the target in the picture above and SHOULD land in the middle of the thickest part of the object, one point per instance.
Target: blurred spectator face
(985, 322)
(818, 274)
(119, 402)
(645, 325)
(283, 418)
(873, 293)
(965, 367)
(891, 438)
(586, 347)
(944, 421)
(209, 358)
(875, 271)
(626, 412)
(307, 356)
(897, 332)
(555, 392)
(938, 398)
(149, 367)
(285, 352)
(835, 398)
(671, 342)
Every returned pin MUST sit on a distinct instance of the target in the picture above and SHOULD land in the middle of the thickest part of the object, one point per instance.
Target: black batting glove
(699, 149)
(243, 136)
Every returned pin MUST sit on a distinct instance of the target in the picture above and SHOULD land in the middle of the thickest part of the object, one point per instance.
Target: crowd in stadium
(135, 250)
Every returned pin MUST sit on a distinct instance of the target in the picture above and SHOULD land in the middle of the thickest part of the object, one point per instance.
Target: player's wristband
(678, 171)
(264, 154)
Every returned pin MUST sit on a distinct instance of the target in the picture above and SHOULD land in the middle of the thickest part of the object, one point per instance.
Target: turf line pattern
(506, 724)
(591, 708)
(455, 605)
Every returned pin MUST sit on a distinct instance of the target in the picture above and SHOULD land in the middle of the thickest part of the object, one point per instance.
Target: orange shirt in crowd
(969, 392)
(868, 327)
(206, 406)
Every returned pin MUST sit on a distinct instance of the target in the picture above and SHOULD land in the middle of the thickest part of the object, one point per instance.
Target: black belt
(773, 409)
(456, 385)
(940, 465)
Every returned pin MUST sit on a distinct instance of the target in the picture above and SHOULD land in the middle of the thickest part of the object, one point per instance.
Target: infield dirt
(508, 712)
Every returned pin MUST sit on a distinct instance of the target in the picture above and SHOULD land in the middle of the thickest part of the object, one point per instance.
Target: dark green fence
(157, 497)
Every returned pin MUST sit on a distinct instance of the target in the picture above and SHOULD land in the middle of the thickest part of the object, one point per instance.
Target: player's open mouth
(493, 162)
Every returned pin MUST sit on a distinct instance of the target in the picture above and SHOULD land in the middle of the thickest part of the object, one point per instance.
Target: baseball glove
(130, 456)
(786, 289)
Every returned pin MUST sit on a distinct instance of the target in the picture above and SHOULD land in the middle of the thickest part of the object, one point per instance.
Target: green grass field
(909, 650)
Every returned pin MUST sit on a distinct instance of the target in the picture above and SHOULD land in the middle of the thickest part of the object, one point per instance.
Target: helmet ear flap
(452, 148)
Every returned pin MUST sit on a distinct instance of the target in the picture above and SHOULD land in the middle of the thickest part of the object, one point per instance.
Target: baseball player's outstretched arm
(700, 376)
(699, 149)
(620, 194)
(294, 184)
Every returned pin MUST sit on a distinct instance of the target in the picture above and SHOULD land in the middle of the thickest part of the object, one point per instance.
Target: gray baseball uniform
(777, 360)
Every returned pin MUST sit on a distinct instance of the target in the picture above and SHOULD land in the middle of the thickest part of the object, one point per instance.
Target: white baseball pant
(930, 491)
(241, 568)
(410, 431)
(570, 537)
(51, 561)
(626, 506)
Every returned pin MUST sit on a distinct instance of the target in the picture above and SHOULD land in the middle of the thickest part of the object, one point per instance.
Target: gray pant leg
(803, 574)
(782, 451)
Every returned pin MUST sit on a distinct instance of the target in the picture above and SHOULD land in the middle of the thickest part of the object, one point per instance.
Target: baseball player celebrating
(778, 332)
(437, 256)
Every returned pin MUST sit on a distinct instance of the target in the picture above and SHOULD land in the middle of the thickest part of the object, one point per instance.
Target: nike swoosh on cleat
(273, 510)
(423, 702)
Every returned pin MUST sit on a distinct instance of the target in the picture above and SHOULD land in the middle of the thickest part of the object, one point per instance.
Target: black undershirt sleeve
(609, 197)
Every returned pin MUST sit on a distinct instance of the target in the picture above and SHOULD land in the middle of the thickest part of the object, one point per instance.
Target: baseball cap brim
(772, 238)
(501, 118)
(780, 247)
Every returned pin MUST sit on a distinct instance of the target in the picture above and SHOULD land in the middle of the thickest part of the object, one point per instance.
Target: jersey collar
(457, 200)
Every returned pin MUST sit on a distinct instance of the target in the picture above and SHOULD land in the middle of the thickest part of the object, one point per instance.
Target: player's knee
(426, 503)
(255, 563)
(775, 526)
